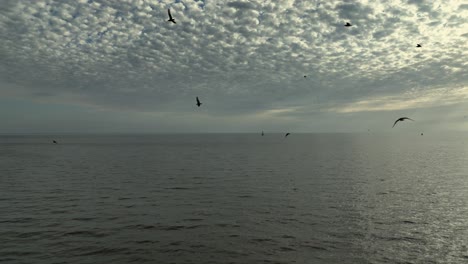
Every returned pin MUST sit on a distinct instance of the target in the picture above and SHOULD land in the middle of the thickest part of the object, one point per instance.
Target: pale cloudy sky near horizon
(119, 66)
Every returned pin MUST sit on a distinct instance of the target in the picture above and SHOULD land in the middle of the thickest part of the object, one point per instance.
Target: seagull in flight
(287, 134)
(401, 119)
(347, 24)
(170, 16)
(198, 102)
(418, 46)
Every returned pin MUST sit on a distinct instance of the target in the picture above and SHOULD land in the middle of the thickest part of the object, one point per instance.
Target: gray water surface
(234, 198)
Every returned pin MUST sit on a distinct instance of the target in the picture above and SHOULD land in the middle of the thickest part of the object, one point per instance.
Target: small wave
(84, 219)
(85, 233)
(140, 227)
(193, 219)
(177, 188)
(181, 227)
(18, 220)
(145, 242)
(197, 246)
(18, 253)
(59, 212)
(29, 234)
(227, 225)
(261, 240)
(315, 247)
(103, 251)
(285, 249)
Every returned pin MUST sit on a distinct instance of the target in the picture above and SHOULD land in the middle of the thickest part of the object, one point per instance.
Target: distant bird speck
(198, 102)
(305, 76)
(347, 24)
(418, 46)
(422, 134)
(263, 134)
(55, 142)
(170, 16)
(287, 134)
(401, 119)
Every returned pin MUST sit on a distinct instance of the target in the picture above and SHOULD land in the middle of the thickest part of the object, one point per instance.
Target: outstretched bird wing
(169, 13)
(408, 118)
(198, 101)
(395, 122)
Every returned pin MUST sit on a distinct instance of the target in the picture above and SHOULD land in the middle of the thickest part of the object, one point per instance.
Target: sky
(92, 66)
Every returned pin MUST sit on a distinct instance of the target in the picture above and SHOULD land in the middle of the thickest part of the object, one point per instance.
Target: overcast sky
(119, 66)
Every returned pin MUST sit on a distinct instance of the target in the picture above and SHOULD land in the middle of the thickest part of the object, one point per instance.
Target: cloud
(432, 98)
(241, 5)
(240, 57)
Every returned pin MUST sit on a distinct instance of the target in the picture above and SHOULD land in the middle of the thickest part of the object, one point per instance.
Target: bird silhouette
(347, 24)
(287, 134)
(55, 142)
(198, 102)
(401, 119)
(170, 16)
(305, 76)
(418, 46)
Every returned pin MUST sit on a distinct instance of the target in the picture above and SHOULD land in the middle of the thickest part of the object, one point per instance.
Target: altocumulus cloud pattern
(242, 57)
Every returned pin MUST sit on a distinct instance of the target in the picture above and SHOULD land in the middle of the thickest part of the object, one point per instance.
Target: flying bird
(401, 119)
(418, 46)
(305, 76)
(198, 102)
(55, 142)
(287, 134)
(347, 24)
(170, 16)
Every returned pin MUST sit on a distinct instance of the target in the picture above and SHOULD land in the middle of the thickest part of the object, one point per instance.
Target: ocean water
(234, 198)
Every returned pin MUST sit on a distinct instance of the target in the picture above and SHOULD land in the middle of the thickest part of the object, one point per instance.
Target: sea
(234, 198)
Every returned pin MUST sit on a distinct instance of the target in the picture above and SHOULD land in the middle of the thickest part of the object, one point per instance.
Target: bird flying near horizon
(198, 102)
(401, 119)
